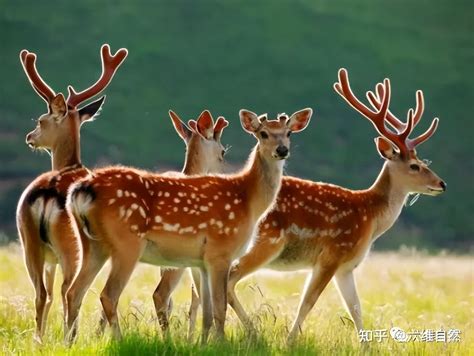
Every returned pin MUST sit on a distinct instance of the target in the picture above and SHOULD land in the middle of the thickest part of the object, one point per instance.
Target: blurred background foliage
(266, 56)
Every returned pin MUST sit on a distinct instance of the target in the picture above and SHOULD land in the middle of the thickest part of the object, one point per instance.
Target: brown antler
(110, 65)
(28, 61)
(399, 138)
(398, 124)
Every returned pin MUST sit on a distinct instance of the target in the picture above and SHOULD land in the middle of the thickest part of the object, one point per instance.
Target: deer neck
(388, 198)
(263, 180)
(66, 152)
(194, 162)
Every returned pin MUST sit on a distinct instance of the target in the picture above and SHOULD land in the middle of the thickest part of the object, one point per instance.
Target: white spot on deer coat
(171, 227)
(121, 212)
(187, 229)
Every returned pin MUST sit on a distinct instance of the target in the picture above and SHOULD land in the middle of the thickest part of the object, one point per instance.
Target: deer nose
(443, 185)
(28, 138)
(282, 151)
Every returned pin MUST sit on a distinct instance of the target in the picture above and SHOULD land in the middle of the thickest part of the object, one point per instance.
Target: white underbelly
(173, 250)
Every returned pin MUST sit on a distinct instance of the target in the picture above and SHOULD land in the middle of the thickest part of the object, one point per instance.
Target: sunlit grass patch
(410, 291)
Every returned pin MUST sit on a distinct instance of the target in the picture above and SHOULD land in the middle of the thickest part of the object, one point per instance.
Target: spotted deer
(198, 221)
(329, 229)
(42, 221)
(197, 161)
(204, 155)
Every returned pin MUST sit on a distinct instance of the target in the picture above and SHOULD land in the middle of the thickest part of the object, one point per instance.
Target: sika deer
(330, 229)
(204, 155)
(42, 221)
(199, 221)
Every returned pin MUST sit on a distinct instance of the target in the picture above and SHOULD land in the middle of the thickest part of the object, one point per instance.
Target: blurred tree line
(266, 56)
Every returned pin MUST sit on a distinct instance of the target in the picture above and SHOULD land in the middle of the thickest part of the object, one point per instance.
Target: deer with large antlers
(42, 221)
(330, 229)
(197, 221)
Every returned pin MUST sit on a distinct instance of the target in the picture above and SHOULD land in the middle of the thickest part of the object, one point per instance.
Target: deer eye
(264, 135)
(288, 134)
(414, 167)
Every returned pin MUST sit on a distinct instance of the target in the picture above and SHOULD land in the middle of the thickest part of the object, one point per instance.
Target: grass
(409, 290)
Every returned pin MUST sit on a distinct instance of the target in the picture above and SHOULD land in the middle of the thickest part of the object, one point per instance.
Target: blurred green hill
(266, 56)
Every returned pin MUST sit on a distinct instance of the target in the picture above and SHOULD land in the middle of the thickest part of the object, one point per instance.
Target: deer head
(64, 118)
(273, 136)
(394, 145)
(204, 150)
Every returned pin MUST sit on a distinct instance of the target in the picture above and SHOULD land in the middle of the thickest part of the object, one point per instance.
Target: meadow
(407, 289)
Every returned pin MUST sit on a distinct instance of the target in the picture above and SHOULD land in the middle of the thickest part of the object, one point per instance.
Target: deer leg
(34, 261)
(316, 283)
(102, 324)
(259, 256)
(162, 295)
(70, 264)
(92, 262)
(218, 276)
(195, 301)
(49, 273)
(206, 306)
(348, 292)
(123, 263)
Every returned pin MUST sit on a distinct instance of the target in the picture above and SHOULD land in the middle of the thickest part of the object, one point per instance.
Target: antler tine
(375, 101)
(425, 136)
(420, 107)
(409, 128)
(221, 123)
(392, 119)
(23, 55)
(377, 118)
(110, 64)
(343, 88)
(193, 125)
(28, 61)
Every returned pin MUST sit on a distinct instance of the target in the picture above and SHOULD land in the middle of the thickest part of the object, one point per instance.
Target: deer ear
(91, 111)
(58, 105)
(249, 121)
(299, 120)
(183, 131)
(205, 125)
(385, 148)
(220, 125)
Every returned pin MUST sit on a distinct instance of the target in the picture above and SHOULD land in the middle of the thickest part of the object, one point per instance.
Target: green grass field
(408, 290)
